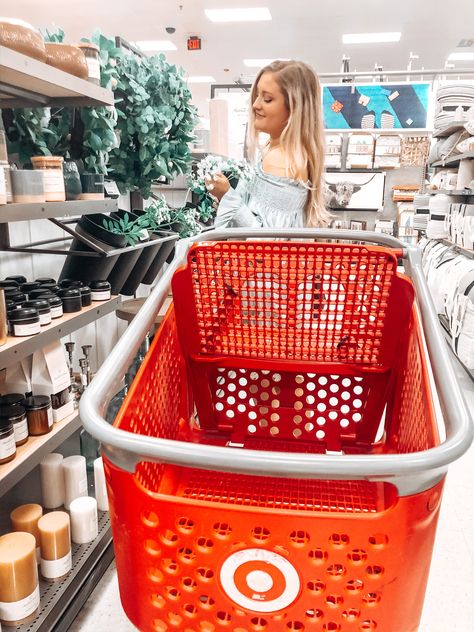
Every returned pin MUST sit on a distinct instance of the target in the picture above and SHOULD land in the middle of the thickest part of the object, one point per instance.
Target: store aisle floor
(449, 602)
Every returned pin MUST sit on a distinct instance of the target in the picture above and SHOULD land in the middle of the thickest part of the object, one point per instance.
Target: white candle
(55, 537)
(52, 481)
(100, 486)
(75, 479)
(84, 525)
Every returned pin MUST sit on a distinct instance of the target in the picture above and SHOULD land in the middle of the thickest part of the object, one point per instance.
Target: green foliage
(155, 123)
(56, 36)
(134, 230)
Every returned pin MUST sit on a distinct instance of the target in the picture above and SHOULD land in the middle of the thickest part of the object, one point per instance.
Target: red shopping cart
(277, 464)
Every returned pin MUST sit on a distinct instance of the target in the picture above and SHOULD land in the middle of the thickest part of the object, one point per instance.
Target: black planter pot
(125, 263)
(86, 269)
(144, 263)
(166, 248)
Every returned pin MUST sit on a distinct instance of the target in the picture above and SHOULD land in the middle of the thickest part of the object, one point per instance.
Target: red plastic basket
(291, 347)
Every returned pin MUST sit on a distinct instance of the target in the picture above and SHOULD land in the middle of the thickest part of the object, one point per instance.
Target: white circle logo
(260, 580)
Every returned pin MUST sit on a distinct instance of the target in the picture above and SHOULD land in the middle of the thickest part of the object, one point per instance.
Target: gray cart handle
(410, 473)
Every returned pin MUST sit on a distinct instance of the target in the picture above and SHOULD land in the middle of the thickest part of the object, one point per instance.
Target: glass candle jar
(16, 414)
(91, 52)
(7, 440)
(39, 414)
(53, 178)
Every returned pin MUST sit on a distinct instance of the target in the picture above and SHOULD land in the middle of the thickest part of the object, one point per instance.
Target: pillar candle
(25, 518)
(75, 479)
(19, 589)
(100, 486)
(55, 538)
(84, 526)
(52, 481)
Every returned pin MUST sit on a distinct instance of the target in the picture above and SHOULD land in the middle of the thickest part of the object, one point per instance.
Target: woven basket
(22, 37)
(67, 57)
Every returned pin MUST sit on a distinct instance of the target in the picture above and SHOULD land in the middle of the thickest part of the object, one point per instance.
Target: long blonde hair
(302, 139)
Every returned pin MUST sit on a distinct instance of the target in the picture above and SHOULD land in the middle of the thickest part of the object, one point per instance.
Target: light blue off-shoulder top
(265, 200)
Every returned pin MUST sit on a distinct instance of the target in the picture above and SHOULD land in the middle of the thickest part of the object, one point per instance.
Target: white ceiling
(310, 30)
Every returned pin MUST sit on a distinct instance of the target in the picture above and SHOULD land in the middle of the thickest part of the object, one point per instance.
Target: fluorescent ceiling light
(238, 15)
(461, 57)
(201, 79)
(153, 46)
(370, 38)
(260, 63)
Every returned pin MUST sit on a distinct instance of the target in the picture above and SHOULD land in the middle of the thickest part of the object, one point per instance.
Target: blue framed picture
(379, 106)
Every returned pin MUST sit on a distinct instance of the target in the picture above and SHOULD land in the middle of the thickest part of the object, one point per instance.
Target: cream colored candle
(100, 486)
(52, 481)
(55, 537)
(25, 518)
(75, 479)
(84, 524)
(19, 589)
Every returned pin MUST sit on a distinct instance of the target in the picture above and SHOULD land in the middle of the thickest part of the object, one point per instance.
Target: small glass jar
(43, 308)
(91, 52)
(53, 177)
(16, 413)
(100, 290)
(39, 414)
(7, 441)
(71, 298)
(24, 321)
(55, 304)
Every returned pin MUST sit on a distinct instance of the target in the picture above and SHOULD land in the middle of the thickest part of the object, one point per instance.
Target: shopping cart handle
(411, 473)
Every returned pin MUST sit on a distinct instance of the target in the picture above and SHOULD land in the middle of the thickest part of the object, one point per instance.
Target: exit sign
(194, 43)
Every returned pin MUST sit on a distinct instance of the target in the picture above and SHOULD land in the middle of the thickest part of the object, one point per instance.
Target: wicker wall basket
(67, 57)
(22, 37)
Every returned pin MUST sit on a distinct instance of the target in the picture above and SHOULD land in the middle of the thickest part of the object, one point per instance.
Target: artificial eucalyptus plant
(155, 123)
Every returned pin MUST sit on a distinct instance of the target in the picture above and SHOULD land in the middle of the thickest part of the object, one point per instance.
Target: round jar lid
(12, 411)
(11, 399)
(69, 292)
(37, 401)
(24, 314)
(99, 286)
(41, 305)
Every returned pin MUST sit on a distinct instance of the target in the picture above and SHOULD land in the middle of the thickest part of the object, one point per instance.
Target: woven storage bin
(67, 57)
(22, 37)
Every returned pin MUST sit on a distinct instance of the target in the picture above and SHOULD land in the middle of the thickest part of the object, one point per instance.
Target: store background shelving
(47, 210)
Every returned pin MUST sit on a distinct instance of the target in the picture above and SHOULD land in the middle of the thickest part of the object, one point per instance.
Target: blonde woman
(286, 190)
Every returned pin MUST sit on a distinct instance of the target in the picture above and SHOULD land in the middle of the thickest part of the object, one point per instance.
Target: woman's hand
(218, 186)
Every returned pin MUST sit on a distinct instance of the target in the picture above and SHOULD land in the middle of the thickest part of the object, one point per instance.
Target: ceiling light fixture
(201, 79)
(371, 38)
(154, 46)
(257, 14)
(461, 57)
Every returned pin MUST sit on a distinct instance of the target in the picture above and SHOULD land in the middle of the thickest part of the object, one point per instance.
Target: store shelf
(32, 452)
(356, 170)
(46, 210)
(466, 192)
(61, 601)
(26, 82)
(453, 161)
(17, 348)
(462, 251)
(445, 326)
(451, 129)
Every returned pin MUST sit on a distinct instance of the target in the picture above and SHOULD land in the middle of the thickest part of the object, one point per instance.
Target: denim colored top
(265, 200)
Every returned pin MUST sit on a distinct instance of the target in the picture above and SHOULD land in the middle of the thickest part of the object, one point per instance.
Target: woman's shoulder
(275, 162)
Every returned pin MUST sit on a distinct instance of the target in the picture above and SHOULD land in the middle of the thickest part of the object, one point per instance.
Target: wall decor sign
(354, 190)
(380, 106)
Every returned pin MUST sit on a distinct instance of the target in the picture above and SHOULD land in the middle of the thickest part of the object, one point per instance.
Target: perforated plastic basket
(304, 493)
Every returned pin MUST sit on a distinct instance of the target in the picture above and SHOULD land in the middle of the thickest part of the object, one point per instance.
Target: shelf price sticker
(260, 580)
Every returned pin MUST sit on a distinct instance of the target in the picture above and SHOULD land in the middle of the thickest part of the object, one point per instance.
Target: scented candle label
(94, 68)
(50, 417)
(51, 569)
(45, 319)
(20, 429)
(7, 446)
(18, 610)
(53, 181)
(56, 312)
(100, 296)
(26, 330)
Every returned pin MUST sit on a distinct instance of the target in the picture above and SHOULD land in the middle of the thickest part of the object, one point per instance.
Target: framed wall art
(380, 106)
(348, 190)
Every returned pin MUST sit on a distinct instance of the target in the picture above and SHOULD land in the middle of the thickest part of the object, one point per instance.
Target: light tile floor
(449, 602)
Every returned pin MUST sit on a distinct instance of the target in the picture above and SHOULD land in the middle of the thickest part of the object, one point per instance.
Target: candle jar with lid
(39, 414)
(53, 177)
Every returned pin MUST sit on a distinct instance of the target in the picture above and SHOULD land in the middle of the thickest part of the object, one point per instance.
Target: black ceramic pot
(126, 261)
(85, 268)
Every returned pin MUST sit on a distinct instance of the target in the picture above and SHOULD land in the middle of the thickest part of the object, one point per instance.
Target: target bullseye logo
(260, 580)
